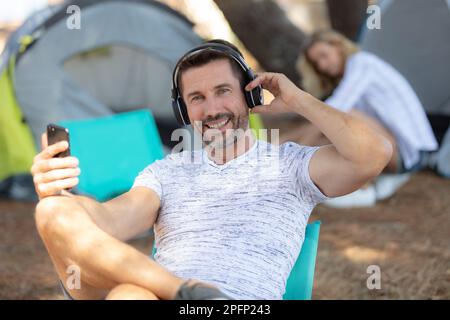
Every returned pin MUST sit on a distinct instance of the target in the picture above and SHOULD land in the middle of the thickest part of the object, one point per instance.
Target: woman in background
(349, 79)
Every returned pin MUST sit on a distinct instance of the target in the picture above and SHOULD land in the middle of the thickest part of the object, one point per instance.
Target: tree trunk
(267, 33)
(347, 16)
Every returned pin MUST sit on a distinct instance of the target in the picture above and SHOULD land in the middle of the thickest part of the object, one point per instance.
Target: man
(223, 215)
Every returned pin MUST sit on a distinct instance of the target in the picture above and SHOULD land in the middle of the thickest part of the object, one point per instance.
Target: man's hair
(206, 56)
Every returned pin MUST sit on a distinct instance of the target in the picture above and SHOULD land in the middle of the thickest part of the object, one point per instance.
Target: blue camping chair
(113, 150)
(300, 282)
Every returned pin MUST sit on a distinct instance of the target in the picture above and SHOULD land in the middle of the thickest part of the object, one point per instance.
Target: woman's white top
(372, 86)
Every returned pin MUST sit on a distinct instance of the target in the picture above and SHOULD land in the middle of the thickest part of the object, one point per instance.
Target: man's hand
(52, 175)
(285, 93)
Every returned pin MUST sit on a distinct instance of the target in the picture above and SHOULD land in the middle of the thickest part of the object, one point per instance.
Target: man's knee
(55, 214)
(130, 292)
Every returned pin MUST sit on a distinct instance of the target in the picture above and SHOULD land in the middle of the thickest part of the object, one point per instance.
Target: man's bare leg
(72, 238)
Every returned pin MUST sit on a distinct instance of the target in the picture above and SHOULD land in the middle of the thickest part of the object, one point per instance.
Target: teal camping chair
(300, 282)
(112, 151)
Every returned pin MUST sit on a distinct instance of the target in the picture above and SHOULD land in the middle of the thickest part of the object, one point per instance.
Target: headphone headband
(221, 48)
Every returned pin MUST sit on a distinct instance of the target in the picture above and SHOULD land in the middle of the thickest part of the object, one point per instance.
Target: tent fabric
(28, 26)
(16, 142)
(414, 38)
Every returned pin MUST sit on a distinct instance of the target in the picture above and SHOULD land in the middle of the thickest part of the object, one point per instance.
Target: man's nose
(213, 107)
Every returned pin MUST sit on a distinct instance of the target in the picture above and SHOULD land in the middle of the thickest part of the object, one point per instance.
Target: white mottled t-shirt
(239, 226)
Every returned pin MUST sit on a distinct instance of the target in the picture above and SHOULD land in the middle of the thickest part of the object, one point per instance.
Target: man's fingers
(58, 174)
(54, 163)
(44, 141)
(266, 80)
(255, 82)
(263, 109)
(55, 187)
(52, 150)
(52, 175)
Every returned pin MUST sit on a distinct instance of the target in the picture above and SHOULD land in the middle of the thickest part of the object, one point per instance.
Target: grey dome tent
(415, 38)
(120, 59)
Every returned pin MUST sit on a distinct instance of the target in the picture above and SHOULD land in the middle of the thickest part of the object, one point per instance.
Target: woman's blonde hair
(313, 81)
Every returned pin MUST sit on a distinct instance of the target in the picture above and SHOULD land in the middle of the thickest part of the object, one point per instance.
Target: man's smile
(219, 124)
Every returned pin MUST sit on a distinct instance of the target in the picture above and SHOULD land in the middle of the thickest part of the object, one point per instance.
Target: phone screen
(55, 134)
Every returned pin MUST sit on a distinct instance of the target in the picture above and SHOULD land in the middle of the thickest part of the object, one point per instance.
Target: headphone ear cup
(254, 97)
(258, 96)
(180, 111)
(248, 98)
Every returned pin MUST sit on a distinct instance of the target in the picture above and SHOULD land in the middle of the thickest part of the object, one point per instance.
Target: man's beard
(214, 138)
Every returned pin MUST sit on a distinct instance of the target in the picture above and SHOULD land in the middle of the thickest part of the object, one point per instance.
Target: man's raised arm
(122, 217)
(357, 154)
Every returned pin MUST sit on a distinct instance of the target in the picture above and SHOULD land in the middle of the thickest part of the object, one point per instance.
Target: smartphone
(55, 134)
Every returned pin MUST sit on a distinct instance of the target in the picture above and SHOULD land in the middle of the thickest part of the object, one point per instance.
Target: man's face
(215, 102)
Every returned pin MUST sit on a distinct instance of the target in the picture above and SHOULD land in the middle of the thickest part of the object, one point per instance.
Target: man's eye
(196, 98)
(224, 90)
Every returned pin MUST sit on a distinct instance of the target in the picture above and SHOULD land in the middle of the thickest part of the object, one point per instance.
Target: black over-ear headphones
(253, 97)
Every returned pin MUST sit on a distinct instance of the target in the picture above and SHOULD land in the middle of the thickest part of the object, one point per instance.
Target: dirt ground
(407, 236)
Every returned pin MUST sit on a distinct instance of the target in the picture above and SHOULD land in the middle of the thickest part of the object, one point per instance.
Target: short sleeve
(148, 178)
(298, 158)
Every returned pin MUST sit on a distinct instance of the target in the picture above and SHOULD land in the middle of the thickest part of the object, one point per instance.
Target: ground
(407, 236)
